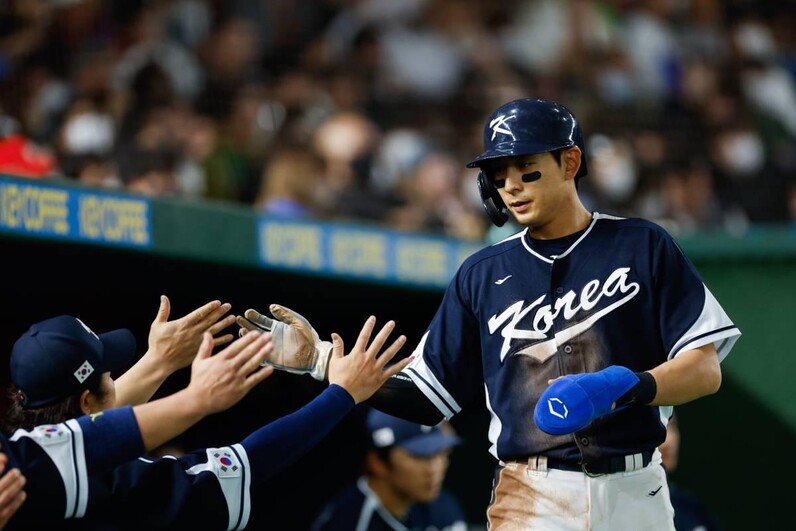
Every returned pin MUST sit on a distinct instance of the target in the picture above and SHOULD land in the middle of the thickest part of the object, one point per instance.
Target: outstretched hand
(11, 494)
(362, 372)
(175, 342)
(219, 382)
(298, 348)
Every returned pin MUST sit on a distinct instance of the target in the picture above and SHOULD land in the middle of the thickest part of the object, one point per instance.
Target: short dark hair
(19, 417)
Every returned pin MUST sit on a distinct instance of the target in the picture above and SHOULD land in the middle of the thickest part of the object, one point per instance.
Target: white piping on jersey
(712, 325)
(425, 380)
(512, 237)
(495, 425)
(68, 454)
(373, 504)
(234, 488)
(595, 216)
(665, 412)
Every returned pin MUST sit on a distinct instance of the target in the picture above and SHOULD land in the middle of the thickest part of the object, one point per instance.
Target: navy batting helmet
(524, 127)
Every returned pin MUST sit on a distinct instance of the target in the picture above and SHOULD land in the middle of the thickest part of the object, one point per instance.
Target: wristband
(642, 393)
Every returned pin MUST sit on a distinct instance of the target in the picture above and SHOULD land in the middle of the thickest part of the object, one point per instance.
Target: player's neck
(568, 221)
(395, 504)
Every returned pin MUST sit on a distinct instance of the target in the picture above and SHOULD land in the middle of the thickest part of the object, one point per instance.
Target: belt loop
(634, 462)
(537, 465)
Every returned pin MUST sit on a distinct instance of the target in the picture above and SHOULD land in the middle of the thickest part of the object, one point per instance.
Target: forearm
(141, 381)
(165, 418)
(400, 397)
(690, 375)
(279, 444)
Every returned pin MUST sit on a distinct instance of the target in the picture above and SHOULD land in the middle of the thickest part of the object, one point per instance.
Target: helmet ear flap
(490, 198)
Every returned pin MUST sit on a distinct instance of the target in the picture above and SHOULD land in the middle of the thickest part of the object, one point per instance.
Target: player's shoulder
(640, 227)
(342, 510)
(506, 245)
(349, 497)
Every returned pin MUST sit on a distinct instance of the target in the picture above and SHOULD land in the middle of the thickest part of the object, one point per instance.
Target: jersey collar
(525, 235)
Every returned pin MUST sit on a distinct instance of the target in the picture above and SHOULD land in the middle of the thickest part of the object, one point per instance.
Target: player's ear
(375, 465)
(87, 402)
(571, 160)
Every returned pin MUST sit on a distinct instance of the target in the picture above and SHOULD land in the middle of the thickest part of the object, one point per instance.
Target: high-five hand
(363, 371)
(297, 347)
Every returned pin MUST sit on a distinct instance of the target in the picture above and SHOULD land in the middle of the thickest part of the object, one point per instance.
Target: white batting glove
(297, 347)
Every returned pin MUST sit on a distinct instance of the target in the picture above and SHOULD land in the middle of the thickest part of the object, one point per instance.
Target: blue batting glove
(574, 401)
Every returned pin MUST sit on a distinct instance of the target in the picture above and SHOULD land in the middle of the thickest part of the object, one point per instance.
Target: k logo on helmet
(499, 125)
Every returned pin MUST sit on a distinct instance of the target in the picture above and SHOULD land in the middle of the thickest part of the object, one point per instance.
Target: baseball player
(59, 460)
(401, 489)
(583, 329)
(208, 488)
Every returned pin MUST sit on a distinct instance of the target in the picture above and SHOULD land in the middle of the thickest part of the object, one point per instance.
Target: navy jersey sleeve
(111, 437)
(211, 489)
(689, 315)
(447, 363)
(204, 489)
(281, 443)
(57, 459)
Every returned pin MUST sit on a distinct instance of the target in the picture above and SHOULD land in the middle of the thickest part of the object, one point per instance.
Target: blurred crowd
(367, 110)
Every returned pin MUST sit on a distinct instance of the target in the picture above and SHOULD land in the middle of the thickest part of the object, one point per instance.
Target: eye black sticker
(531, 177)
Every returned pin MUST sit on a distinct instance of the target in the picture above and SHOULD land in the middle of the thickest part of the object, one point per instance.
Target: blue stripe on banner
(45, 210)
(361, 253)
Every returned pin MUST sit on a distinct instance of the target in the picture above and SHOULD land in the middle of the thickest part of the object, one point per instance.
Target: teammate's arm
(400, 397)
(217, 383)
(172, 346)
(352, 378)
(298, 349)
(690, 375)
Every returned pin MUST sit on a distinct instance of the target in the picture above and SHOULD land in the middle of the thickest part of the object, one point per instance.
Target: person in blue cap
(58, 460)
(62, 366)
(405, 467)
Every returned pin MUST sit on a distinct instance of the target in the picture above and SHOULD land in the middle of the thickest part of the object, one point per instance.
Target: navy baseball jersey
(58, 459)
(206, 489)
(524, 311)
(359, 509)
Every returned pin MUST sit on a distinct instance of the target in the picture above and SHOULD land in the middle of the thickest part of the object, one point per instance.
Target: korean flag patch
(50, 434)
(84, 372)
(226, 463)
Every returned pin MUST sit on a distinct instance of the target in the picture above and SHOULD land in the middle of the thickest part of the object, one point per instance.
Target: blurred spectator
(432, 201)
(19, 155)
(685, 201)
(148, 172)
(374, 86)
(290, 182)
(91, 170)
(346, 143)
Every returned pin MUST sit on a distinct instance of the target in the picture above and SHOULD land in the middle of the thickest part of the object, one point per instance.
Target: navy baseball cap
(59, 357)
(423, 441)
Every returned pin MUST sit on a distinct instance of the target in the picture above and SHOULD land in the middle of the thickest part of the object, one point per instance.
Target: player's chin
(526, 218)
(429, 493)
